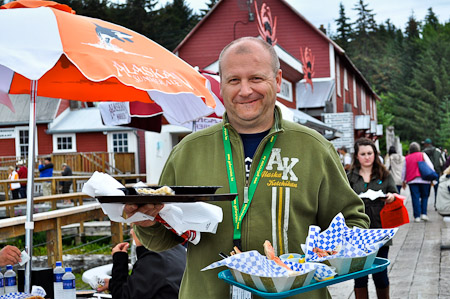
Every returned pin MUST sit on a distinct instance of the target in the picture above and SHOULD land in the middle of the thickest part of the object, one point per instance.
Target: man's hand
(121, 247)
(105, 287)
(148, 209)
(9, 255)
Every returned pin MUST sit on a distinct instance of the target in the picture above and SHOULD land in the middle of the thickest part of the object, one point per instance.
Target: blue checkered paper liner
(253, 263)
(16, 296)
(323, 271)
(356, 242)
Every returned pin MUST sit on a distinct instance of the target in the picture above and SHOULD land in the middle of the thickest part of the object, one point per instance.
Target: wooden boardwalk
(419, 269)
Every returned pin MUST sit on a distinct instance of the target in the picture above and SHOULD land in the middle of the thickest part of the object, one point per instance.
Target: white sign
(205, 122)
(7, 133)
(115, 113)
(342, 122)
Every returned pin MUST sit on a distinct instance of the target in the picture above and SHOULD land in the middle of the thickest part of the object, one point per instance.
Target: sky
(326, 11)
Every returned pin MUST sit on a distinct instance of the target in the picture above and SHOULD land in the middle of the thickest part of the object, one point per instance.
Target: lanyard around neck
(237, 215)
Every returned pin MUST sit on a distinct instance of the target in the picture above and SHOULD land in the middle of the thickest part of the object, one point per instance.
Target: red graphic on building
(266, 26)
(308, 66)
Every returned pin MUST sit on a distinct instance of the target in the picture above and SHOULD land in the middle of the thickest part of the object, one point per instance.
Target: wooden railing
(112, 163)
(123, 178)
(52, 221)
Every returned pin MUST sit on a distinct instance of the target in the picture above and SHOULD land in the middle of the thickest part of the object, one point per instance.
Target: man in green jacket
(296, 180)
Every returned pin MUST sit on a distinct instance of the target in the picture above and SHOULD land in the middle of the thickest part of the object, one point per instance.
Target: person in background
(9, 255)
(67, 171)
(46, 171)
(346, 158)
(302, 181)
(419, 188)
(367, 172)
(13, 175)
(155, 275)
(443, 198)
(23, 174)
(436, 158)
(394, 163)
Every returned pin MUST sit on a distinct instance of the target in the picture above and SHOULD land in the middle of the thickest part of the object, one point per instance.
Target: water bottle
(68, 279)
(58, 273)
(10, 280)
(2, 285)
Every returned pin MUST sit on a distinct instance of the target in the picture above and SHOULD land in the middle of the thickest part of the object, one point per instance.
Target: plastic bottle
(58, 273)
(69, 290)
(10, 280)
(2, 284)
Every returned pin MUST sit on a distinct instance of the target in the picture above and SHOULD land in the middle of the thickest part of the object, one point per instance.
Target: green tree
(344, 28)
(204, 12)
(174, 21)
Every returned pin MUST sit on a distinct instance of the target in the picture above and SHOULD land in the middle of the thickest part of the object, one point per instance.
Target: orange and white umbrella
(86, 59)
(47, 50)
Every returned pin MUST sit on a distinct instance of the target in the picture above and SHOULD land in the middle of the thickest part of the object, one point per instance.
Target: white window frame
(287, 86)
(363, 101)
(355, 97)
(17, 139)
(338, 77)
(345, 79)
(74, 143)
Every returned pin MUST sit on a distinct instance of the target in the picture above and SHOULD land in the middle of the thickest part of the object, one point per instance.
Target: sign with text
(7, 133)
(342, 122)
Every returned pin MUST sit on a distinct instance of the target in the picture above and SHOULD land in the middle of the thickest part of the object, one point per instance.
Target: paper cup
(293, 257)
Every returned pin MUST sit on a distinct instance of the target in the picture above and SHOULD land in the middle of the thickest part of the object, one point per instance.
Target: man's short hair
(48, 159)
(343, 148)
(275, 61)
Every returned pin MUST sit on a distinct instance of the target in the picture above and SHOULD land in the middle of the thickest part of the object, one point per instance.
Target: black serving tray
(182, 194)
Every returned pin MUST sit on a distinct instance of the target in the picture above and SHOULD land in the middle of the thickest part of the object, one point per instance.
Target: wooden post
(54, 243)
(116, 233)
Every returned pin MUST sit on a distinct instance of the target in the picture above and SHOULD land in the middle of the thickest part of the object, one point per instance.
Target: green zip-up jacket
(303, 184)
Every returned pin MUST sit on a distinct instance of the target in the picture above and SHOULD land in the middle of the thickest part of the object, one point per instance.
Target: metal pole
(29, 224)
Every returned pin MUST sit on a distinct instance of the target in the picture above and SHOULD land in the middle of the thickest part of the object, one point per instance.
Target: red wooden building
(338, 94)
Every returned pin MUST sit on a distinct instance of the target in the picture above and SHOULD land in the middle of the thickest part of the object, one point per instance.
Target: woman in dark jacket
(367, 172)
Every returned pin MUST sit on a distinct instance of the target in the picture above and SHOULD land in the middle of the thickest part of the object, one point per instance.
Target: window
(285, 90)
(363, 101)
(22, 140)
(120, 142)
(64, 143)
(23, 143)
(345, 79)
(355, 98)
(338, 77)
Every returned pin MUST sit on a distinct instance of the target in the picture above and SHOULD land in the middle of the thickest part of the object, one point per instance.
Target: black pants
(380, 279)
(15, 193)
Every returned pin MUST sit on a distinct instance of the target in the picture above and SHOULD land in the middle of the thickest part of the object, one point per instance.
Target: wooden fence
(112, 163)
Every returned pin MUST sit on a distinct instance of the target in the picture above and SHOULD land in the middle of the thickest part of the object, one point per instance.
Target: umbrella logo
(107, 36)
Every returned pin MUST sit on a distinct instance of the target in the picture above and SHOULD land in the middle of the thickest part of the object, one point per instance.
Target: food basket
(378, 265)
(252, 269)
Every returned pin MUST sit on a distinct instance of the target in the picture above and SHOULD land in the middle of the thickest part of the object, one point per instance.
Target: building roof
(46, 109)
(308, 98)
(81, 121)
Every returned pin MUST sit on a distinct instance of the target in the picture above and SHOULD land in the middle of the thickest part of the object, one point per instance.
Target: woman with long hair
(368, 172)
(419, 188)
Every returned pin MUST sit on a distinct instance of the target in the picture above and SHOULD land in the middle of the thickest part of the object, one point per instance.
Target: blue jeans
(419, 197)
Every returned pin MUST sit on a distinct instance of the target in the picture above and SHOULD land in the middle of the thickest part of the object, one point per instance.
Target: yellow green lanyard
(237, 215)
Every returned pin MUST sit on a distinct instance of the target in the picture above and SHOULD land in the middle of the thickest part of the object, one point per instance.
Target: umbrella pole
(29, 224)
